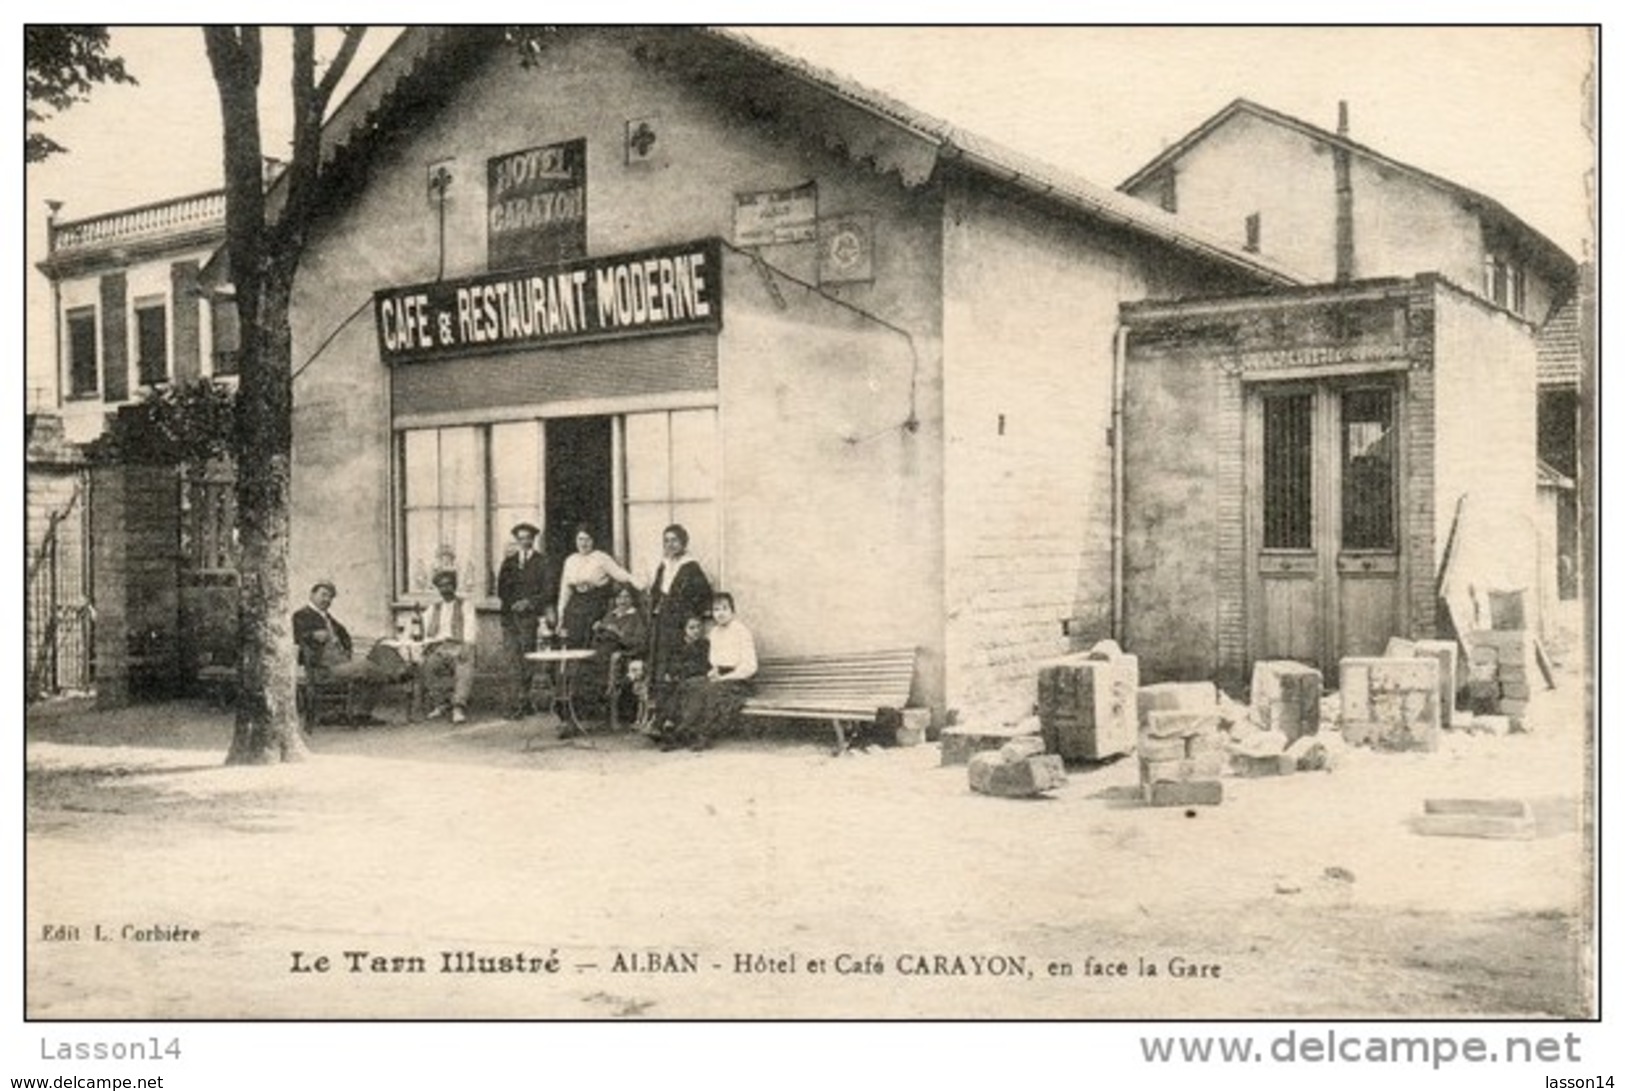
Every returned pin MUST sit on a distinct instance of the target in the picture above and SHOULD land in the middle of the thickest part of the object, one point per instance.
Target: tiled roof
(1557, 347)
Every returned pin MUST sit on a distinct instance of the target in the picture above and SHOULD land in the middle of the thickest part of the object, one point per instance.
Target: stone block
(1088, 707)
(902, 726)
(1175, 723)
(1400, 697)
(992, 774)
(1286, 697)
(1184, 793)
(1483, 696)
(1448, 654)
(1513, 708)
(1172, 748)
(1026, 746)
(1263, 765)
(1399, 648)
(1177, 696)
(959, 744)
(1205, 767)
(1516, 691)
(1312, 753)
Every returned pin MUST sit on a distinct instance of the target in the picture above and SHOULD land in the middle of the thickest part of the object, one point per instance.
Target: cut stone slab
(1177, 696)
(1501, 819)
(992, 773)
(1184, 793)
(1088, 706)
(1399, 648)
(1205, 767)
(1399, 698)
(1448, 655)
(1286, 696)
(1026, 746)
(1263, 765)
(959, 744)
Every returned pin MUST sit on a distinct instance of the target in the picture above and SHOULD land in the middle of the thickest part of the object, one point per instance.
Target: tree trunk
(267, 728)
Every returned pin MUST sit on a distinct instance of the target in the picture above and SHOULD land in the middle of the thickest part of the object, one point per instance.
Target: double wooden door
(1324, 519)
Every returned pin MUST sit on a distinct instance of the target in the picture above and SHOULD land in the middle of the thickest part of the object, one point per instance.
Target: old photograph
(656, 523)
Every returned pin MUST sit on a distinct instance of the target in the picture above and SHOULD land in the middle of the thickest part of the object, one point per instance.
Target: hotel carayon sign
(672, 289)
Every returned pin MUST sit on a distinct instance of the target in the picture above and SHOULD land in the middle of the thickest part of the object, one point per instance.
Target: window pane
(693, 454)
(1288, 472)
(422, 469)
(460, 473)
(457, 547)
(422, 539)
(1368, 470)
(515, 464)
(647, 454)
(82, 351)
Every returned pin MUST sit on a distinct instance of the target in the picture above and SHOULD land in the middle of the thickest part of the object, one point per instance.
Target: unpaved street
(871, 885)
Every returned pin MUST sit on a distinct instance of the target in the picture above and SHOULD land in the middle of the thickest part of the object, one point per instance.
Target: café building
(874, 364)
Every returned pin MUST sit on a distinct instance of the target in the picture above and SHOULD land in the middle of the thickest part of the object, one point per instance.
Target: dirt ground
(767, 878)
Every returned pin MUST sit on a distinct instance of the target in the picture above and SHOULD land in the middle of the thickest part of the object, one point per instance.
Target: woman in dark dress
(680, 591)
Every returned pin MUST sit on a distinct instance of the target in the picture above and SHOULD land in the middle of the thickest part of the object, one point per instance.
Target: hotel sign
(672, 289)
(537, 205)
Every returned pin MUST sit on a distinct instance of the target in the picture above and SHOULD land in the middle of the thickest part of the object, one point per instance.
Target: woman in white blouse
(586, 586)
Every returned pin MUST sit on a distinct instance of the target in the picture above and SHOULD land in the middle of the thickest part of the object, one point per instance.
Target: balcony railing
(203, 210)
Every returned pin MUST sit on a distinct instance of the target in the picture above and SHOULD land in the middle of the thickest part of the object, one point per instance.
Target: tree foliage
(61, 64)
(179, 424)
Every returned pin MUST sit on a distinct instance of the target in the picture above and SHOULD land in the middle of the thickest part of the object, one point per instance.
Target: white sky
(1496, 109)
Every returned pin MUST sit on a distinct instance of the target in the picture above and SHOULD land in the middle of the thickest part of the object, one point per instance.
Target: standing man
(325, 649)
(449, 650)
(527, 587)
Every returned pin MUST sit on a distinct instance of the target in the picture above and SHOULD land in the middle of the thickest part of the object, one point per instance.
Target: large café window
(463, 487)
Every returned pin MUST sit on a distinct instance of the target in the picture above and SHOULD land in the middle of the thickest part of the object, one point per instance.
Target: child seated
(621, 636)
(691, 661)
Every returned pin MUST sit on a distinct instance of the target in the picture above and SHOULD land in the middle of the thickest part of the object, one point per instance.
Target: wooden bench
(846, 689)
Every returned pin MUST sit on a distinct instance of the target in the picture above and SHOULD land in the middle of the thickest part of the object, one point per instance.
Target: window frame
(87, 315)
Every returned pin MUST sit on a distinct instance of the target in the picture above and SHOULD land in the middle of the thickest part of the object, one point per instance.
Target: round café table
(564, 662)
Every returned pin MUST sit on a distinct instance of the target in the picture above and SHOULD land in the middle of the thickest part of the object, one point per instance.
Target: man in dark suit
(326, 644)
(528, 588)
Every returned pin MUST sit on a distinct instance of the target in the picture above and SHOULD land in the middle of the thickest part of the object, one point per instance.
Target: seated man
(449, 653)
(325, 645)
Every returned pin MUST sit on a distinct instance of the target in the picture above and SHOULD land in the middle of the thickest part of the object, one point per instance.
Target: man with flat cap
(527, 587)
(325, 643)
(448, 632)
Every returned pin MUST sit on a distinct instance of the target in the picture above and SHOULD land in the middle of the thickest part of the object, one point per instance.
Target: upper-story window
(82, 368)
(152, 341)
(1505, 283)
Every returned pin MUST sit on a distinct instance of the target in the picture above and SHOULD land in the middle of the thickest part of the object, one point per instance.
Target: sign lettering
(654, 291)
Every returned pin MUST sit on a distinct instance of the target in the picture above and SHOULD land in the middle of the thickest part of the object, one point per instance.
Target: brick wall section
(1230, 560)
(1418, 492)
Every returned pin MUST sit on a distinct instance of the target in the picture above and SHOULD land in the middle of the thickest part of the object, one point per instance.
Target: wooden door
(1323, 520)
